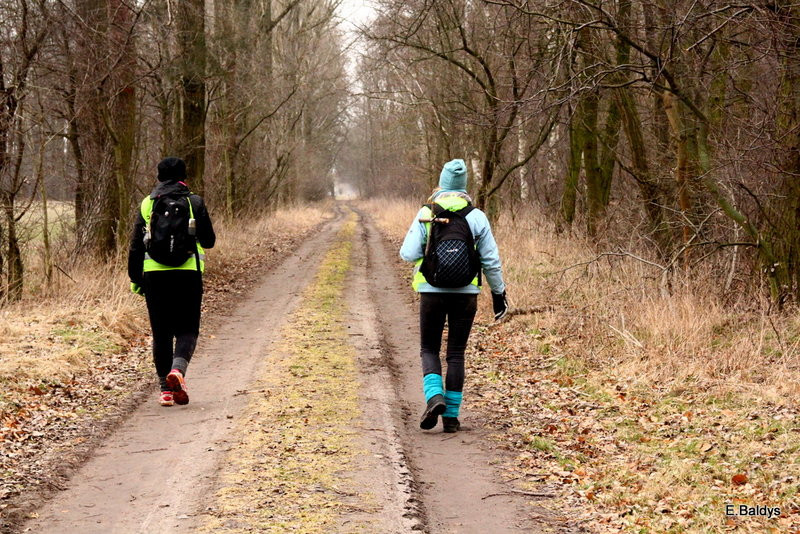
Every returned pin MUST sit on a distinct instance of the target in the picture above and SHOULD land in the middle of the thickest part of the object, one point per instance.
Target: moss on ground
(288, 473)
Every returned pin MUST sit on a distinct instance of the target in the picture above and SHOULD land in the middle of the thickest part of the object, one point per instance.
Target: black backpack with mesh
(450, 257)
(169, 239)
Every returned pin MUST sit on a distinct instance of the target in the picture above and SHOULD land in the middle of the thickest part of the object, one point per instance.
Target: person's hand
(137, 289)
(500, 305)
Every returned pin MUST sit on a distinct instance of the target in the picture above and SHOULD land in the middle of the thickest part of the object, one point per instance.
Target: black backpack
(450, 257)
(169, 239)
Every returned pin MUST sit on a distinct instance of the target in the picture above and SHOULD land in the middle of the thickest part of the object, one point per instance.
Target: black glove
(500, 305)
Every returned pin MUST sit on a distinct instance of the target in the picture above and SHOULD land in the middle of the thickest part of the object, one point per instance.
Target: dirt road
(162, 470)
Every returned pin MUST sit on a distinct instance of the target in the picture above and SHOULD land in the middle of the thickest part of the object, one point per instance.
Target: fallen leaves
(739, 479)
(629, 456)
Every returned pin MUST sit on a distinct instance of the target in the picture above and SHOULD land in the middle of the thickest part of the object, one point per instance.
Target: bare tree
(25, 28)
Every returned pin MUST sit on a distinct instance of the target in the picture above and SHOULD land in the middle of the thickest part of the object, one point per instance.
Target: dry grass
(624, 319)
(637, 407)
(51, 339)
(89, 313)
(614, 312)
(237, 242)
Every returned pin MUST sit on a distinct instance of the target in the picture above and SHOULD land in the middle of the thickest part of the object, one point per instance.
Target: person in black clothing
(173, 294)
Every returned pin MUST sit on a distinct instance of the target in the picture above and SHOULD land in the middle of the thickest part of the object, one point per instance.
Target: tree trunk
(15, 274)
(48, 256)
(648, 187)
(15, 268)
(587, 121)
(680, 140)
(788, 156)
(570, 194)
(491, 157)
(192, 50)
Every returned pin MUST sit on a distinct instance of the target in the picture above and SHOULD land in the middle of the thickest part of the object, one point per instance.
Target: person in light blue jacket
(455, 305)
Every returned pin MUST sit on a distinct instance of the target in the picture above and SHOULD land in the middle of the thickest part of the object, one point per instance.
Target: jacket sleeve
(136, 252)
(414, 244)
(205, 230)
(488, 253)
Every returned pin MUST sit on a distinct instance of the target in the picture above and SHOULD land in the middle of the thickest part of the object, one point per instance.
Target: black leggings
(173, 304)
(459, 310)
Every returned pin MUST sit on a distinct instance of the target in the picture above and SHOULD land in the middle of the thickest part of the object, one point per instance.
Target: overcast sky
(355, 12)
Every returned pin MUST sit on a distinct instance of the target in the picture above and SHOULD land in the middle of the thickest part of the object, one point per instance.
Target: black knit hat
(171, 169)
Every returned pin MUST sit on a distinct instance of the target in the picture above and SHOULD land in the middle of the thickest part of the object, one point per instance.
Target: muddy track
(158, 471)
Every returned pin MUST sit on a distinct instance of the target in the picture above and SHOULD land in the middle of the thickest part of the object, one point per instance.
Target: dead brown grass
(50, 339)
(89, 312)
(614, 313)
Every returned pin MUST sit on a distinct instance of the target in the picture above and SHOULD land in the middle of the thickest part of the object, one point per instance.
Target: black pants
(459, 311)
(173, 304)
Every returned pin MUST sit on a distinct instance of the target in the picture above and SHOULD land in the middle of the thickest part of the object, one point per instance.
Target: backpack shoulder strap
(465, 210)
(189, 200)
(436, 209)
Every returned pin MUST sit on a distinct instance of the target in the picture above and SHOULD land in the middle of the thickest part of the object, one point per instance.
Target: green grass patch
(542, 444)
(92, 339)
(570, 366)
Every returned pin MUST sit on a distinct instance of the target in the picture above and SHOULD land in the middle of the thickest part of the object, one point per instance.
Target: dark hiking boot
(451, 424)
(435, 408)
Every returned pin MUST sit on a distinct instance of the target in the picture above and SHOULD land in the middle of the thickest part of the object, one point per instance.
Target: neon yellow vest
(448, 202)
(151, 264)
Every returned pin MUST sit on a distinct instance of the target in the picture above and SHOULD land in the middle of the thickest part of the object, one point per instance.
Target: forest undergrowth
(72, 354)
(640, 411)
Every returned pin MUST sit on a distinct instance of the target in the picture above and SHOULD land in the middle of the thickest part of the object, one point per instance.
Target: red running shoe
(177, 384)
(166, 399)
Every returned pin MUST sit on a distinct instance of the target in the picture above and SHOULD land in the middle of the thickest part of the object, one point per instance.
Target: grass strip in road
(297, 442)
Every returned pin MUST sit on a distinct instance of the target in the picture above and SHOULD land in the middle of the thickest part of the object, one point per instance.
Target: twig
(532, 309)
(520, 492)
(606, 254)
(579, 392)
(249, 391)
(627, 336)
(65, 273)
(149, 450)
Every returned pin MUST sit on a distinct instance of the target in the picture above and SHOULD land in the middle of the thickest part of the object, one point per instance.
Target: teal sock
(432, 385)
(453, 401)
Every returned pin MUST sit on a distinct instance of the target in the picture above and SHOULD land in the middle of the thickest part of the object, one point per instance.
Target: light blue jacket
(414, 248)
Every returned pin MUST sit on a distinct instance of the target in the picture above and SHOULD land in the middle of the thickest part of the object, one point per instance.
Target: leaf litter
(628, 456)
